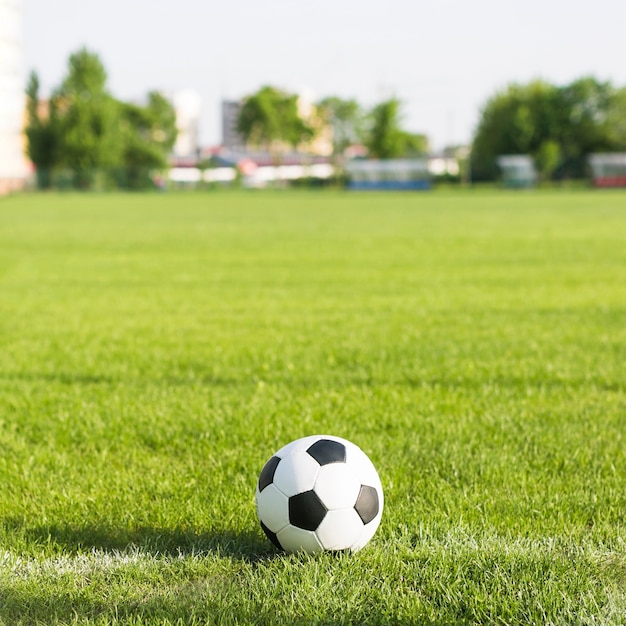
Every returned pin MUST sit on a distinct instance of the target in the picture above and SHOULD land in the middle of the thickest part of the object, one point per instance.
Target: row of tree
(559, 126)
(270, 120)
(83, 132)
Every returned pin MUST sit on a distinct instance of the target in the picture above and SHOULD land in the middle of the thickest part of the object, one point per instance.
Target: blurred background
(460, 88)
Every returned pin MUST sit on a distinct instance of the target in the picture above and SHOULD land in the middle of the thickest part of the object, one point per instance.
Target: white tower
(187, 106)
(13, 167)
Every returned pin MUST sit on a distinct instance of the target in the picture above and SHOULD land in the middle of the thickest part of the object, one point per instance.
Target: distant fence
(131, 179)
(180, 177)
(607, 170)
(96, 179)
(196, 176)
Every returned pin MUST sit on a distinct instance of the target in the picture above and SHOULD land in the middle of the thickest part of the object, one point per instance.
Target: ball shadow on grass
(249, 546)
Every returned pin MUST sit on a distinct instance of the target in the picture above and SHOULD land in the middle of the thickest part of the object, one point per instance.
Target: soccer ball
(319, 493)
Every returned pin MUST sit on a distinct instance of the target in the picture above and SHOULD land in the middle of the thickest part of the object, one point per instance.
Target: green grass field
(155, 350)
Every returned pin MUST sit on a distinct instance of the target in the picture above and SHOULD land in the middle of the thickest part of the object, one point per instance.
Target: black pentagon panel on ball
(326, 451)
(271, 536)
(267, 473)
(367, 504)
(306, 510)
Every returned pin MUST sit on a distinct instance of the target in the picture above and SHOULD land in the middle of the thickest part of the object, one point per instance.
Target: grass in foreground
(156, 350)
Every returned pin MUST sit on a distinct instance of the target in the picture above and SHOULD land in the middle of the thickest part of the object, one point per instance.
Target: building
(187, 105)
(231, 137)
(258, 166)
(13, 164)
(320, 145)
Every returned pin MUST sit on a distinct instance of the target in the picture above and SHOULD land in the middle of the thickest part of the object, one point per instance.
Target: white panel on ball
(366, 470)
(296, 473)
(337, 485)
(297, 446)
(340, 529)
(294, 539)
(275, 507)
(367, 533)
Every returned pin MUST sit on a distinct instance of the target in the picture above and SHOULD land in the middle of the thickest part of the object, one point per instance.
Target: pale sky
(443, 59)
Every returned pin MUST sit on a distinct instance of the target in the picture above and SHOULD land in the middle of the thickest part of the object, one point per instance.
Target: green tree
(84, 129)
(269, 120)
(88, 119)
(386, 139)
(148, 134)
(547, 158)
(415, 144)
(616, 120)
(518, 120)
(558, 126)
(346, 119)
(584, 129)
(42, 134)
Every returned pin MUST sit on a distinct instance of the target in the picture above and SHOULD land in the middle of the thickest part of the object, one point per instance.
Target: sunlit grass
(155, 350)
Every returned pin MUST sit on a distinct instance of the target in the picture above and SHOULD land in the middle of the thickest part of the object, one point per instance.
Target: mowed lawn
(155, 350)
